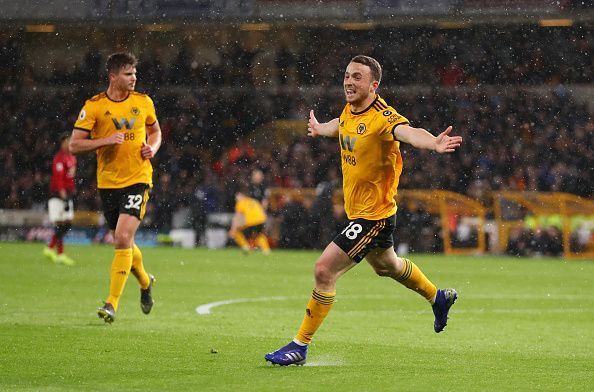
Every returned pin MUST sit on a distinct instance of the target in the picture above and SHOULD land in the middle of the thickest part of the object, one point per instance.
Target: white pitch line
(205, 309)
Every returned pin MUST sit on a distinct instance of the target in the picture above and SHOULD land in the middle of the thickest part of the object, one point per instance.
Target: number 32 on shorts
(352, 230)
(134, 201)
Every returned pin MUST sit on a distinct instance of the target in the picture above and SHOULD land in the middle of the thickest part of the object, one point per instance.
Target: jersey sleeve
(343, 116)
(151, 117)
(86, 118)
(391, 119)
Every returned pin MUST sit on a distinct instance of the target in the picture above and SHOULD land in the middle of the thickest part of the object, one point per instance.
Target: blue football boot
(291, 354)
(443, 302)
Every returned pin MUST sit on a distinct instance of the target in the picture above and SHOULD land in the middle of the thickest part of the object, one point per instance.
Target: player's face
(358, 83)
(125, 79)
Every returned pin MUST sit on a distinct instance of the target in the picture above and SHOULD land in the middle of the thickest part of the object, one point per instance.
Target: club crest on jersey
(387, 113)
(135, 111)
(361, 128)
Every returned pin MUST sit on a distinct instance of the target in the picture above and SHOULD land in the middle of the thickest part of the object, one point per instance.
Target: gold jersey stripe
(381, 104)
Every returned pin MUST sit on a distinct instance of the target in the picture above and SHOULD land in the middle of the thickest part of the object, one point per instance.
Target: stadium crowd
(211, 102)
(482, 55)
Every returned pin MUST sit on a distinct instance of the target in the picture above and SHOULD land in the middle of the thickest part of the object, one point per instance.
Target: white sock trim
(300, 343)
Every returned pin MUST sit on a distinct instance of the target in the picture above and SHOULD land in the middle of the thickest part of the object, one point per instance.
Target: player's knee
(122, 240)
(386, 269)
(323, 274)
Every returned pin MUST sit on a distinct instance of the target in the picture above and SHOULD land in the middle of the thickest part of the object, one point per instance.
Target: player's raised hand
(446, 143)
(116, 138)
(313, 126)
(147, 151)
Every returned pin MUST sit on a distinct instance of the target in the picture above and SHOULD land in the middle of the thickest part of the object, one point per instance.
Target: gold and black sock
(318, 307)
(413, 278)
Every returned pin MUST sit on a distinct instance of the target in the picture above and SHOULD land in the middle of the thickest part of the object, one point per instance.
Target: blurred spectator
(295, 223)
(257, 188)
(537, 242)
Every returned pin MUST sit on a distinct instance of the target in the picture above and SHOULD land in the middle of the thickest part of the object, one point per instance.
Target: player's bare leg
(330, 266)
(121, 264)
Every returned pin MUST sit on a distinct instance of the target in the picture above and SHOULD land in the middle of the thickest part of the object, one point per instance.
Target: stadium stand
(519, 96)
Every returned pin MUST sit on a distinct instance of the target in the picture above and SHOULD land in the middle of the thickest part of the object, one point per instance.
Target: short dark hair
(373, 64)
(243, 188)
(118, 60)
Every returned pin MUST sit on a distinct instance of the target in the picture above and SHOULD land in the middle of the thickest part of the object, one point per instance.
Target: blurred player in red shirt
(60, 206)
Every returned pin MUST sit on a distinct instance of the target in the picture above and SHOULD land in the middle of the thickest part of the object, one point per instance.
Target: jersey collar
(367, 108)
(121, 100)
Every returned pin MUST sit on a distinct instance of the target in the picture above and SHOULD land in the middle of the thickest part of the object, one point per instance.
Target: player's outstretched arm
(314, 128)
(80, 142)
(421, 138)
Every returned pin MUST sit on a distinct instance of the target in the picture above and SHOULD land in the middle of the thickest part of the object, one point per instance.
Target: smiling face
(359, 86)
(124, 79)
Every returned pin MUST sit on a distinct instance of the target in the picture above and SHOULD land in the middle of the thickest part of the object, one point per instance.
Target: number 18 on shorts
(361, 236)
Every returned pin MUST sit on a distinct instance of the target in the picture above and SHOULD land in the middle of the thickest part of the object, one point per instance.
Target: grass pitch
(519, 324)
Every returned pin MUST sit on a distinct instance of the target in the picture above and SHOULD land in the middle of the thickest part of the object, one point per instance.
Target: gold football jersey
(119, 166)
(252, 211)
(371, 160)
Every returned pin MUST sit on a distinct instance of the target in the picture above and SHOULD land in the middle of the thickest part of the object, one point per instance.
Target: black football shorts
(360, 236)
(130, 200)
(253, 231)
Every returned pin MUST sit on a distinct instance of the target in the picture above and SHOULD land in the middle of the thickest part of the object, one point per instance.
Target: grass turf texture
(520, 324)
